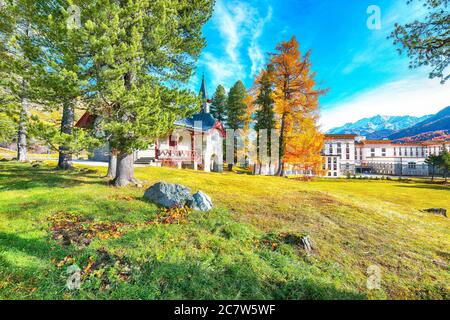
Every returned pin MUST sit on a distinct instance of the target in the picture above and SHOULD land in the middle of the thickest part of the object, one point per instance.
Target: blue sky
(362, 69)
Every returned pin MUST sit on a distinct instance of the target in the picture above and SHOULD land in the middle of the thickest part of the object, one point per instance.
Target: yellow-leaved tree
(296, 107)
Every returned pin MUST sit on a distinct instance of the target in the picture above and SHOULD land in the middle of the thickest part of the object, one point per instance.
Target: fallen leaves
(301, 241)
(101, 270)
(72, 229)
(175, 215)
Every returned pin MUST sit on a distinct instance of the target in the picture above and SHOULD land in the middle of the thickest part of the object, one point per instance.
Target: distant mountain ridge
(379, 126)
(434, 125)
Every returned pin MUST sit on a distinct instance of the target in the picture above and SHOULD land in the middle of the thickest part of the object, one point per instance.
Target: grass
(9, 154)
(241, 250)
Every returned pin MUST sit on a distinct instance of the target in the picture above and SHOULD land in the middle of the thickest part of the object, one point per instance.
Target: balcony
(179, 155)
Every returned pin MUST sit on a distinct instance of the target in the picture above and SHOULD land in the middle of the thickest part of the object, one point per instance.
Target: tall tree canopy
(19, 31)
(236, 106)
(427, 42)
(264, 105)
(219, 104)
(65, 78)
(296, 105)
(265, 115)
(444, 162)
(139, 56)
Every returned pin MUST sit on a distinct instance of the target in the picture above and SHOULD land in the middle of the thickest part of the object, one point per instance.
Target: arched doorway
(214, 163)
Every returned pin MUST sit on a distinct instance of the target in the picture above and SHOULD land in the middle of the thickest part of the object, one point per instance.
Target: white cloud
(377, 43)
(415, 96)
(230, 21)
(239, 25)
(255, 52)
(220, 70)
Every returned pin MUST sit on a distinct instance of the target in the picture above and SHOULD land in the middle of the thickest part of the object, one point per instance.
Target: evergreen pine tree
(219, 104)
(265, 115)
(444, 162)
(236, 106)
(18, 67)
(139, 56)
(64, 84)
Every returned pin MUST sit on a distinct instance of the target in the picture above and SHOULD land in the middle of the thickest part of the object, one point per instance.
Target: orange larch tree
(296, 106)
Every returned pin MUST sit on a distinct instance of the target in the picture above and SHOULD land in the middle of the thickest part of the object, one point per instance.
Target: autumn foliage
(296, 107)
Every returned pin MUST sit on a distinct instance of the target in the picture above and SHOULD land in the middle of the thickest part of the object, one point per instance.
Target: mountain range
(402, 128)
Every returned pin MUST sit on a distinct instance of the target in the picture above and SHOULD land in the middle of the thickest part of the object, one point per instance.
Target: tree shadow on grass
(219, 275)
(37, 247)
(189, 279)
(186, 278)
(29, 278)
(20, 177)
(426, 186)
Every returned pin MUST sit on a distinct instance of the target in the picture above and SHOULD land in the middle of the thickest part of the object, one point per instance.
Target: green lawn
(247, 248)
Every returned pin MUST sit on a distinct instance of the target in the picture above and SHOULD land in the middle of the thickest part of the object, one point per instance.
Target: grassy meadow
(246, 248)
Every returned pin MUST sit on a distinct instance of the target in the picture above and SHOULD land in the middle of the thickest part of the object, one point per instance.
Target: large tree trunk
(282, 147)
(65, 155)
(22, 132)
(125, 170)
(112, 166)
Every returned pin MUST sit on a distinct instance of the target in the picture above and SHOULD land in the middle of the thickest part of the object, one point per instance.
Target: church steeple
(204, 95)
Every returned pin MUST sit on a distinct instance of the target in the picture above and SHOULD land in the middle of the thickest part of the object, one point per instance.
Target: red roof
(376, 142)
(340, 136)
(86, 120)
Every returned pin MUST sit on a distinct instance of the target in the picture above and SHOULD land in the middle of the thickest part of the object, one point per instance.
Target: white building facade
(195, 143)
(346, 154)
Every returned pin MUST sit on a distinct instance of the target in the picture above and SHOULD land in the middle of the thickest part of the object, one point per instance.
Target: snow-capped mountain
(435, 126)
(378, 127)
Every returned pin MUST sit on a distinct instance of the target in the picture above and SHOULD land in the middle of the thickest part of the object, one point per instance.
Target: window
(395, 152)
(383, 152)
(411, 165)
(329, 174)
(335, 174)
(372, 152)
(172, 141)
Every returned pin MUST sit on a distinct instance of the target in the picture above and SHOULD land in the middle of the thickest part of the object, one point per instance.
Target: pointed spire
(204, 95)
(203, 91)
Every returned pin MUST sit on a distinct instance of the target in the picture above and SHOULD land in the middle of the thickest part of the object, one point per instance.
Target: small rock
(168, 195)
(201, 202)
(438, 211)
(307, 245)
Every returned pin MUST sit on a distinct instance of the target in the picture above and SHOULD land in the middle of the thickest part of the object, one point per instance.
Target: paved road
(100, 164)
